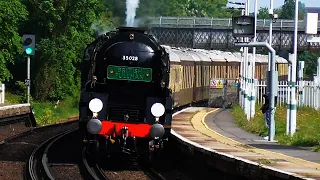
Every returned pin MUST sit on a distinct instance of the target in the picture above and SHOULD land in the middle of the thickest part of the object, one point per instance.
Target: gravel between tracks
(124, 166)
(12, 129)
(64, 157)
(15, 153)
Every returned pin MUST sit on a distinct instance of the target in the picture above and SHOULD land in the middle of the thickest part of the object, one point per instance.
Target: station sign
(243, 26)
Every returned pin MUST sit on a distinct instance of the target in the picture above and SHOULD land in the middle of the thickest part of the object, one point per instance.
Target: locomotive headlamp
(157, 110)
(95, 105)
(157, 131)
(94, 126)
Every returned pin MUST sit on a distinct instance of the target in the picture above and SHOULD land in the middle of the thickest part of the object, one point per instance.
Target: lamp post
(253, 92)
(246, 72)
(272, 82)
(243, 65)
(270, 29)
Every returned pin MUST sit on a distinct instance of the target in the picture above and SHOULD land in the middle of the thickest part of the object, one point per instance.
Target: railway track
(153, 174)
(37, 165)
(94, 172)
(12, 126)
(41, 164)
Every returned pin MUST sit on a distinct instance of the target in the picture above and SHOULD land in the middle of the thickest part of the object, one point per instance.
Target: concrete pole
(293, 106)
(3, 91)
(246, 56)
(318, 79)
(241, 93)
(288, 93)
(316, 87)
(301, 83)
(28, 77)
(253, 92)
(241, 80)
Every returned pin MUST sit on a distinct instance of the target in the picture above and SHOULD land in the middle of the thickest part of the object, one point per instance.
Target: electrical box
(274, 81)
(301, 65)
(311, 25)
(243, 26)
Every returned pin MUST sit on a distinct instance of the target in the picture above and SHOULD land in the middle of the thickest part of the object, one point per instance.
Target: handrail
(221, 22)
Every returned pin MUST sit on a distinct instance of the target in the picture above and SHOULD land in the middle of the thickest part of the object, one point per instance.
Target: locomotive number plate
(129, 73)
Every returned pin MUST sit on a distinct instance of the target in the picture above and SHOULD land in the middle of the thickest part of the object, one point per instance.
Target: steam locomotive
(125, 102)
(129, 83)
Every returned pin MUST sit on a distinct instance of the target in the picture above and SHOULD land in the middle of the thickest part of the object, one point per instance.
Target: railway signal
(28, 44)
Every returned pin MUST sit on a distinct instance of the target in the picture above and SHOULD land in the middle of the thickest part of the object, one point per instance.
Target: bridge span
(211, 33)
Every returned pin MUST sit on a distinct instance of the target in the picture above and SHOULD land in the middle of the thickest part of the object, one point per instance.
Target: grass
(308, 126)
(45, 112)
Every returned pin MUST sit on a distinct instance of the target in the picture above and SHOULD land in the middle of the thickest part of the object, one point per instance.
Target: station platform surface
(11, 110)
(216, 130)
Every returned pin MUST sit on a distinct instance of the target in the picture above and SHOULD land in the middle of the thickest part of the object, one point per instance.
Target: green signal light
(29, 51)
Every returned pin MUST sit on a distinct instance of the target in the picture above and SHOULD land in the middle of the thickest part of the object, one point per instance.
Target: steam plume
(131, 6)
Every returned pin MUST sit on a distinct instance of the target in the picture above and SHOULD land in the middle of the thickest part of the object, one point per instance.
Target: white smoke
(131, 6)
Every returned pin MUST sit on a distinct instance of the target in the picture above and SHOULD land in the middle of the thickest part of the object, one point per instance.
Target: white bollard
(2, 89)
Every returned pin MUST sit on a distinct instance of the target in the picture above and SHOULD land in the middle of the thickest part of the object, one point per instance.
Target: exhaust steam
(131, 6)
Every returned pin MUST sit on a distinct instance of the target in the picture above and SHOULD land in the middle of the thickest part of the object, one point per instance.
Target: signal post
(28, 46)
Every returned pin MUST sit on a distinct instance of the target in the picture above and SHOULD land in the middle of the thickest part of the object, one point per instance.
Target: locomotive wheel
(93, 151)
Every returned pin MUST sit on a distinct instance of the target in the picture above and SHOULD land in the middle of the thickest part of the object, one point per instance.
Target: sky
(276, 3)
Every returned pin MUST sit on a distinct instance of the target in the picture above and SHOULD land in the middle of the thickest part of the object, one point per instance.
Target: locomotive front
(125, 100)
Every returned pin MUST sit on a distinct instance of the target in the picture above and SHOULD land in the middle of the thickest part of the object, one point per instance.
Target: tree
(263, 13)
(12, 13)
(288, 10)
(63, 30)
(310, 60)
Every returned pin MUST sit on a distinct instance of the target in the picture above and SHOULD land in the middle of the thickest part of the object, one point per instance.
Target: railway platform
(213, 135)
(14, 110)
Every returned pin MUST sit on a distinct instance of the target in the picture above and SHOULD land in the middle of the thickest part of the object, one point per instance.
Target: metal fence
(2, 92)
(280, 24)
(310, 93)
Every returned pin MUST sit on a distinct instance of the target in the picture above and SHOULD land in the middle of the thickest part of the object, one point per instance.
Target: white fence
(310, 93)
(2, 91)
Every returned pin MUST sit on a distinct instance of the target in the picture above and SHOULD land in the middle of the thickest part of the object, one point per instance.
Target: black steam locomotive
(125, 102)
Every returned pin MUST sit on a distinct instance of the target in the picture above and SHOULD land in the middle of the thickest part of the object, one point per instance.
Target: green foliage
(263, 13)
(63, 30)
(310, 60)
(285, 12)
(307, 126)
(288, 10)
(47, 113)
(11, 14)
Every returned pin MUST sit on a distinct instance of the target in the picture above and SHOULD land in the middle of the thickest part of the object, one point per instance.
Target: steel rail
(35, 168)
(94, 171)
(152, 173)
(44, 159)
(36, 129)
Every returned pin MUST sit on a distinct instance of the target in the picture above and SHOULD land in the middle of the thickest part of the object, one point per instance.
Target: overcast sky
(276, 3)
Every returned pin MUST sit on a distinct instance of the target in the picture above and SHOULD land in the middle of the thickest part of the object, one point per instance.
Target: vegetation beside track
(308, 126)
(47, 112)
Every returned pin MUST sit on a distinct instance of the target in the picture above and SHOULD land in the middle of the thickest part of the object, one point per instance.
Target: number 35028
(130, 58)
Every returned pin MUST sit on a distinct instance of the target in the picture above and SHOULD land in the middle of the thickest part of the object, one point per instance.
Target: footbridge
(212, 33)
